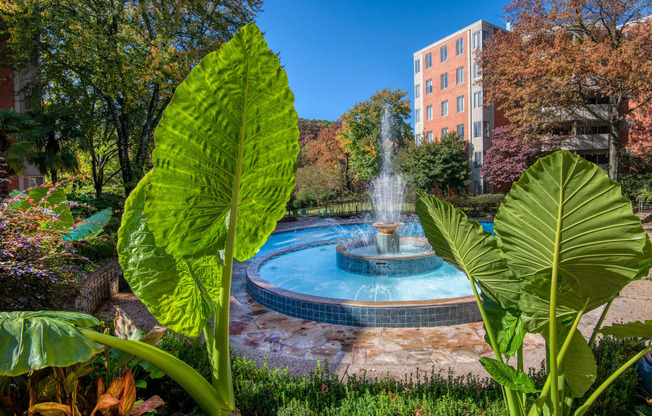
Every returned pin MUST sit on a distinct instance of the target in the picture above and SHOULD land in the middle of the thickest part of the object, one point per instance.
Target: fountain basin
(452, 310)
(357, 256)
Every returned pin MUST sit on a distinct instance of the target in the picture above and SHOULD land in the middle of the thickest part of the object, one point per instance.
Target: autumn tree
(130, 54)
(324, 167)
(563, 57)
(361, 129)
(507, 158)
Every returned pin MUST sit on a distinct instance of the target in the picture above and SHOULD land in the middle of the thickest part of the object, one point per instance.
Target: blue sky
(337, 53)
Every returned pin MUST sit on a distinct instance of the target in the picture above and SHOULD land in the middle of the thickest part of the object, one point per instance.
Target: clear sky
(338, 53)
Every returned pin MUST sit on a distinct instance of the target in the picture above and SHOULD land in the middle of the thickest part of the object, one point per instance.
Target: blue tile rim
(403, 314)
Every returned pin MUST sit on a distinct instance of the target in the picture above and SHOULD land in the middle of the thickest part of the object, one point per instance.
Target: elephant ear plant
(224, 166)
(566, 242)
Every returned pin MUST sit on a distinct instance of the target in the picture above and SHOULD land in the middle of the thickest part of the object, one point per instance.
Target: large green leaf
(228, 137)
(566, 213)
(634, 329)
(33, 340)
(89, 226)
(507, 325)
(579, 368)
(465, 245)
(180, 293)
(508, 376)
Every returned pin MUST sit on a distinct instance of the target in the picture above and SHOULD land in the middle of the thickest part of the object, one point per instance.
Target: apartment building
(13, 95)
(447, 97)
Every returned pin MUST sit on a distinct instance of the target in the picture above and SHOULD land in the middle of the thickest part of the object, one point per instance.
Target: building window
(584, 129)
(428, 60)
(429, 137)
(444, 108)
(486, 129)
(444, 81)
(444, 131)
(417, 115)
(428, 86)
(429, 112)
(460, 130)
(477, 159)
(418, 139)
(459, 75)
(443, 54)
(477, 99)
(417, 66)
(460, 104)
(485, 35)
(417, 91)
(459, 46)
(477, 129)
(476, 70)
(476, 39)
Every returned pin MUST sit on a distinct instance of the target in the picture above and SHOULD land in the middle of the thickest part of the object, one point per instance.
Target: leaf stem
(599, 324)
(552, 323)
(512, 398)
(584, 407)
(190, 380)
(538, 405)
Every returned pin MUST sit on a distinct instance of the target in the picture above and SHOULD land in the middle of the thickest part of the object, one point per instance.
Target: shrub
(265, 391)
(38, 268)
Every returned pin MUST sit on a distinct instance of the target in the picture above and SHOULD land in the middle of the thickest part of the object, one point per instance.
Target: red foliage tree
(507, 158)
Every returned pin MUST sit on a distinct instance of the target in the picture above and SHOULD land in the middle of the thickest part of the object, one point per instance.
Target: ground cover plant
(566, 243)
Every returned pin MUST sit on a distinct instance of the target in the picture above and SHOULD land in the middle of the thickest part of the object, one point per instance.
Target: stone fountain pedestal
(388, 241)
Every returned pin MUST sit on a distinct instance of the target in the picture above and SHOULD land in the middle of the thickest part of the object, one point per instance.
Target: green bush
(633, 185)
(483, 205)
(112, 197)
(264, 391)
(97, 248)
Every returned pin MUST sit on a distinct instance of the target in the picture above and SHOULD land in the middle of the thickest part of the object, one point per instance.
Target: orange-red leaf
(148, 405)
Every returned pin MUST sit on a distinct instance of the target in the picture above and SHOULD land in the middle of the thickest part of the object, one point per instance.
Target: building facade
(448, 97)
(13, 94)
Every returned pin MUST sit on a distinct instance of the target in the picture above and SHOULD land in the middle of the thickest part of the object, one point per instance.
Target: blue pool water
(313, 270)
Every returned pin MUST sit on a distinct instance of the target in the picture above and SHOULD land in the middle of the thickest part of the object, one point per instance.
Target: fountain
(384, 273)
(387, 253)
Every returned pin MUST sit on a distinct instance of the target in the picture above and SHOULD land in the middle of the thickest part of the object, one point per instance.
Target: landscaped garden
(232, 294)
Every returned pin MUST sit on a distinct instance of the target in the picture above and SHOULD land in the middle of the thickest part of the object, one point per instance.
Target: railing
(644, 206)
(347, 207)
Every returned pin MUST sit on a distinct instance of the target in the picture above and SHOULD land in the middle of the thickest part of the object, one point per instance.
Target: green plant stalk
(519, 367)
(538, 405)
(512, 399)
(190, 380)
(584, 407)
(599, 324)
(552, 325)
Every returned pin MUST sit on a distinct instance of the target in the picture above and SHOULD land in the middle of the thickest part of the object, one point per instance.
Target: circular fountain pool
(301, 278)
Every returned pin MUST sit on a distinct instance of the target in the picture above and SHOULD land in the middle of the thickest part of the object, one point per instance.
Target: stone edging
(98, 287)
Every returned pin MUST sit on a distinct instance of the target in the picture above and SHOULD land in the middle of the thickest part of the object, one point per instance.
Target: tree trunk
(614, 140)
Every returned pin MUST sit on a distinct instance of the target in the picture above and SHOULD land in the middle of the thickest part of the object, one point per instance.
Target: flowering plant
(37, 266)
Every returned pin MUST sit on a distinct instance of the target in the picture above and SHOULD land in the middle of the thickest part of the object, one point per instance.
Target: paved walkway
(257, 332)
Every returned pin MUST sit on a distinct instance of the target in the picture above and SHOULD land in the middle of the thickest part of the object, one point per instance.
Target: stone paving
(259, 333)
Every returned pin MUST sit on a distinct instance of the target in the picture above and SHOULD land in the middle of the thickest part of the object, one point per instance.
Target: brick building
(13, 95)
(447, 97)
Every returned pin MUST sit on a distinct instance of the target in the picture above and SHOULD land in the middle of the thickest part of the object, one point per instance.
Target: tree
(507, 158)
(441, 163)
(452, 169)
(418, 164)
(53, 141)
(129, 54)
(562, 56)
(324, 166)
(361, 129)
